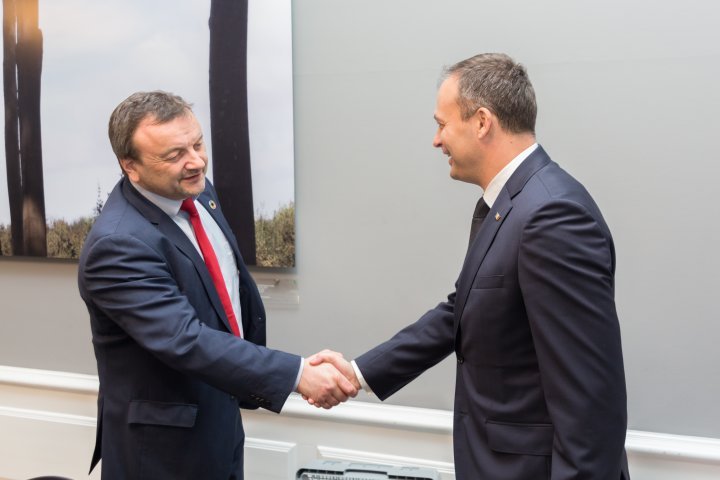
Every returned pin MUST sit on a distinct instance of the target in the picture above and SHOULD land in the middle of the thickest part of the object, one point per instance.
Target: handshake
(327, 379)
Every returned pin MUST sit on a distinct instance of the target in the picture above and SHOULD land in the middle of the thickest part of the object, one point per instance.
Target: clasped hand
(327, 380)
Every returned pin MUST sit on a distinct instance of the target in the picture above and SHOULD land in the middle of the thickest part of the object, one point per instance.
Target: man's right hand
(322, 385)
(337, 360)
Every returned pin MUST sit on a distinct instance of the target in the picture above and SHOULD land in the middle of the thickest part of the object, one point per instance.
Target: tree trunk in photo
(23, 142)
(12, 147)
(232, 175)
(29, 60)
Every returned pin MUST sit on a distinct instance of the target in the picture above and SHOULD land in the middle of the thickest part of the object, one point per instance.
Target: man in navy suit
(540, 387)
(172, 372)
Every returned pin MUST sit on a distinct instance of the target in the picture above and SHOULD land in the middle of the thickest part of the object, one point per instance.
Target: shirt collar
(169, 206)
(498, 182)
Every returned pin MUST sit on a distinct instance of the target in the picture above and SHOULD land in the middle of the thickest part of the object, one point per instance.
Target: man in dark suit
(179, 339)
(540, 387)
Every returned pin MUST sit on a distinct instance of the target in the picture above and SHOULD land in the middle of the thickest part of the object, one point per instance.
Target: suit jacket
(172, 375)
(540, 385)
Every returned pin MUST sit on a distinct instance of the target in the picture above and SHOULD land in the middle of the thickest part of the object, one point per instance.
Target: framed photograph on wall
(68, 63)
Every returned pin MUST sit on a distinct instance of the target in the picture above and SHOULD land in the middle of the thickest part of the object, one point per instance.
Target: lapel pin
(497, 217)
(212, 204)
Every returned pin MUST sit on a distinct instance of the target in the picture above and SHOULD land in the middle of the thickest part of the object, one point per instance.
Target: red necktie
(188, 205)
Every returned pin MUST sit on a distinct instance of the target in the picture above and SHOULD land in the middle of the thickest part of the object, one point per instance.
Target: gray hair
(124, 121)
(495, 81)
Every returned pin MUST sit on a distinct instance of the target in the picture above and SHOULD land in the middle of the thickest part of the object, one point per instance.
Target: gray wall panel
(628, 103)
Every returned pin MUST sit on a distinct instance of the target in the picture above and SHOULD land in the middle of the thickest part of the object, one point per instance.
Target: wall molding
(374, 414)
(45, 416)
(679, 447)
(49, 379)
(269, 445)
(664, 445)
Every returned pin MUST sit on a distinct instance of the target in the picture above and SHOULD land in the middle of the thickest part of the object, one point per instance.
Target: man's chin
(194, 188)
(455, 175)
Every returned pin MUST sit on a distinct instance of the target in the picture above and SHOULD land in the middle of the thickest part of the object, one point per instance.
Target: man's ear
(129, 167)
(484, 120)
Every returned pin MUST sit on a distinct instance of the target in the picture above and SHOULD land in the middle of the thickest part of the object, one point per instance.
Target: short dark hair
(126, 117)
(495, 81)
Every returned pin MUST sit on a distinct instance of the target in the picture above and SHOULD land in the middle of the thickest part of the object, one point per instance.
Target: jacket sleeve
(566, 273)
(132, 285)
(395, 363)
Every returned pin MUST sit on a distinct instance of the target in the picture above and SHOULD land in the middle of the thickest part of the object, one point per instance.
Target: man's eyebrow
(170, 151)
(178, 148)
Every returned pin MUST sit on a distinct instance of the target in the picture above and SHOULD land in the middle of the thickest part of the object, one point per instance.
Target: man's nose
(436, 140)
(195, 160)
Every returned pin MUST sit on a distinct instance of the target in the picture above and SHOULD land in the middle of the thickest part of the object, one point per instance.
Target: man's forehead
(446, 99)
(184, 123)
(153, 119)
(178, 132)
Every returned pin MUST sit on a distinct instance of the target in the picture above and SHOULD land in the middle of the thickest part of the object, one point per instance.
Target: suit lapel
(479, 248)
(171, 230)
(210, 203)
(492, 224)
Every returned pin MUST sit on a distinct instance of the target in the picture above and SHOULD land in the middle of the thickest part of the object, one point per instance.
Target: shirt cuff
(360, 378)
(299, 375)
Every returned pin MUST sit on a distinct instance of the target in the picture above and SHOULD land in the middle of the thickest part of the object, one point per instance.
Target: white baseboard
(48, 403)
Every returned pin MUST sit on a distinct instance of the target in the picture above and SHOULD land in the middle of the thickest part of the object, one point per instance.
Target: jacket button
(460, 359)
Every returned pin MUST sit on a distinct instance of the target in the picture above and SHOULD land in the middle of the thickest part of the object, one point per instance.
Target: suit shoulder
(554, 184)
(553, 192)
(559, 183)
(118, 219)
